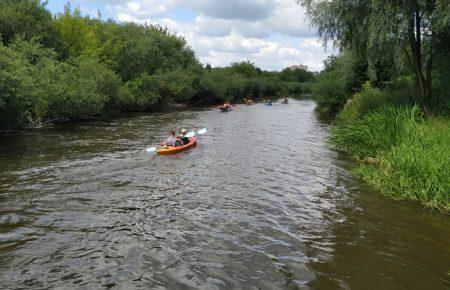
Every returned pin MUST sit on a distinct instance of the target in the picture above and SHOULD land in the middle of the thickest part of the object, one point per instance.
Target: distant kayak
(166, 150)
(227, 109)
(248, 102)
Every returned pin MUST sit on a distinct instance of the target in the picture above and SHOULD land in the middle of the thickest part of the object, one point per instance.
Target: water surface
(261, 203)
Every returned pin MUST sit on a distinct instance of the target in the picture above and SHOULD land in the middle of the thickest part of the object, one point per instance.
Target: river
(262, 202)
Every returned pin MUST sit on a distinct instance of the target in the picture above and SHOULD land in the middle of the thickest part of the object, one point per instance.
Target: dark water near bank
(261, 203)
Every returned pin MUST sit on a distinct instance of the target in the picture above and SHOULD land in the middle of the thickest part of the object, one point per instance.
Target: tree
(246, 68)
(28, 19)
(405, 28)
(296, 75)
(77, 33)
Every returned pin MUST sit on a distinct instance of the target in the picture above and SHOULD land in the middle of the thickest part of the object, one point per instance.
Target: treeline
(389, 92)
(70, 67)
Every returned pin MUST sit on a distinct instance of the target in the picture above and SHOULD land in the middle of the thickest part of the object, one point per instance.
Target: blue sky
(272, 33)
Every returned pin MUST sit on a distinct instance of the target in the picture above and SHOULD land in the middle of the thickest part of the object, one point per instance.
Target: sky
(273, 34)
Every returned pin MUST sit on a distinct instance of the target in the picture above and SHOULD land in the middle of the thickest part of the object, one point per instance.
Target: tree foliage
(70, 67)
(27, 19)
(389, 34)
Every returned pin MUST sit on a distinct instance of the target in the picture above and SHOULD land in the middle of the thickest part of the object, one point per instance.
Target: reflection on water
(261, 202)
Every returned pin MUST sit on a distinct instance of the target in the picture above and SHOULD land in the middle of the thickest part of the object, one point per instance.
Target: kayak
(225, 109)
(166, 150)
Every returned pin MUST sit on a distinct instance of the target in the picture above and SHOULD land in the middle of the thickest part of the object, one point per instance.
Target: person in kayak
(172, 140)
(285, 101)
(248, 101)
(182, 137)
(226, 105)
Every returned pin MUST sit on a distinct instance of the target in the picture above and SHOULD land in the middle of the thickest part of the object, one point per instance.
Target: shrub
(401, 153)
(417, 167)
(37, 88)
(140, 94)
(329, 94)
(399, 92)
(375, 132)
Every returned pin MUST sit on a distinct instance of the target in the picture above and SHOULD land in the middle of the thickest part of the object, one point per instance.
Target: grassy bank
(388, 92)
(401, 153)
(399, 150)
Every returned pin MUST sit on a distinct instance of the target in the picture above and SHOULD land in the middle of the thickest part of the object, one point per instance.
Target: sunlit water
(262, 202)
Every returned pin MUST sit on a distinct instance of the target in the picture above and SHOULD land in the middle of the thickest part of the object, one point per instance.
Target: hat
(183, 131)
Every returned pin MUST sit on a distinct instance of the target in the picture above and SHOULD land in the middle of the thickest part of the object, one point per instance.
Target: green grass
(403, 154)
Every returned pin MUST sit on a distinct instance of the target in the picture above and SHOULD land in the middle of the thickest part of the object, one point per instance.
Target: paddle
(189, 135)
(151, 149)
(200, 132)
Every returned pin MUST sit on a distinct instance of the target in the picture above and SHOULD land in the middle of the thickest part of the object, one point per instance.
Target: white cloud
(290, 19)
(208, 26)
(141, 9)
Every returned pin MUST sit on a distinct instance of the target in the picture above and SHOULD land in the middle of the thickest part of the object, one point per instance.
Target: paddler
(172, 140)
(226, 105)
(182, 137)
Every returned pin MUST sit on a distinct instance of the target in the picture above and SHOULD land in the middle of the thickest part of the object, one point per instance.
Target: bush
(329, 94)
(375, 132)
(220, 84)
(341, 78)
(141, 94)
(13, 81)
(37, 88)
(401, 153)
(416, 168)
(399, 92)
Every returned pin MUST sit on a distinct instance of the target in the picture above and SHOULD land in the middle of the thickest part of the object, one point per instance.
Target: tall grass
(376, 132)
(401, 153)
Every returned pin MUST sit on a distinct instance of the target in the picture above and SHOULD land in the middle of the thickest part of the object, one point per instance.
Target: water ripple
(261, 203)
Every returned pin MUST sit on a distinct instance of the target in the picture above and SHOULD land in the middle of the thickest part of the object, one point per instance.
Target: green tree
(296, 75)
(246, 68)
(407, 29)
(27, 19)
(78, 35)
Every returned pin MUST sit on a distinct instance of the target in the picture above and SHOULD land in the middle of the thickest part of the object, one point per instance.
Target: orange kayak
(166, 150)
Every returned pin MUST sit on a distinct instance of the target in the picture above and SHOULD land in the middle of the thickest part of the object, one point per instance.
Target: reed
(403, 154)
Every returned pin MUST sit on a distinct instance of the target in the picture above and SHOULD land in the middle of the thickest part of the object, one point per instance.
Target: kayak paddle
(151, 149)
(190, 134)
(202, 131)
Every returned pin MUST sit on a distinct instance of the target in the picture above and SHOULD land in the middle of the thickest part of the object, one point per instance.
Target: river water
(262, 202)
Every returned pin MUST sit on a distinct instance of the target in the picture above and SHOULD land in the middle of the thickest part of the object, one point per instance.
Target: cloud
(221, 27)
(233, 9)
(141, 9)
(290, 19)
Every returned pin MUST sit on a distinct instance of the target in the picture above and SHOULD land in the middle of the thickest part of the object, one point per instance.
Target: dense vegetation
(70, 67)
(389, 91)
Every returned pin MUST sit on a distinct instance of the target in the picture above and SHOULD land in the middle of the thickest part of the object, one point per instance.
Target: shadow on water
(384, 244)
(261, 203)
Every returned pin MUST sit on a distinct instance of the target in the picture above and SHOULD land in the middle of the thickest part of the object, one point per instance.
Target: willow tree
(397, 30)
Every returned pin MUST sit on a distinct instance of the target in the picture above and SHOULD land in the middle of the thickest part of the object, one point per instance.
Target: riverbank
(57, 74)
(401, 152)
